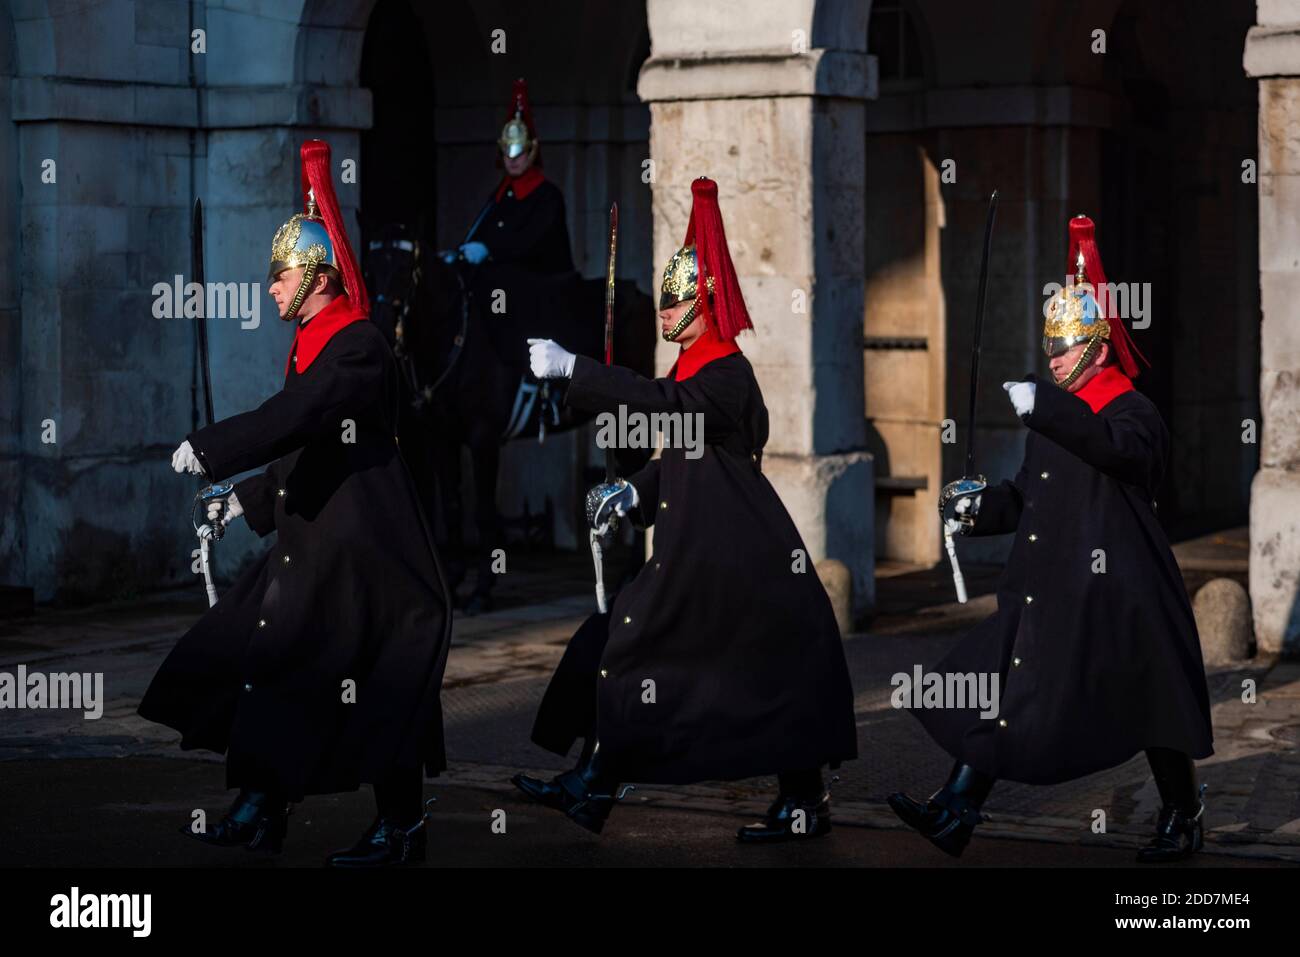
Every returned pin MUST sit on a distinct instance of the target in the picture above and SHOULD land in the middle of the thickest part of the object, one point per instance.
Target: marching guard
(721, 659)
(1093, 642)
(321, 667)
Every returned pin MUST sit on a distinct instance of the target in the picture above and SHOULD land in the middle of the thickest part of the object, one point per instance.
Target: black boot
(257, 820)
(799, 792)
(949, 817)
(397, 835)
(383, 844)
(1179, 831)
(550, 792)
(586, 795)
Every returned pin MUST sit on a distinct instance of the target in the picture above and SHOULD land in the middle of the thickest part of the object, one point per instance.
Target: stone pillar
(774, 113)
(1273, 55)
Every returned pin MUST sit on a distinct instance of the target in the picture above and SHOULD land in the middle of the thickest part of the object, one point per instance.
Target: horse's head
(392, 265)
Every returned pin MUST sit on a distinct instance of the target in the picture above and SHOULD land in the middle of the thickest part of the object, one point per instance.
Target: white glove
(548, 360)
(963, 506)
(184, 459)
(1022, 396)
(474, 252)
(233, 509)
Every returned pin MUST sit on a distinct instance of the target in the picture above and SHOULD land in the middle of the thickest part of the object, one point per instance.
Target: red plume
(1083, 236)
(705, 230)
(317, 176)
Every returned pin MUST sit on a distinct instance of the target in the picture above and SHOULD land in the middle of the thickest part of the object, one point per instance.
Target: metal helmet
(681, 282)
(1073, 316)
(519, 135)
(515, 139)
(302, 241)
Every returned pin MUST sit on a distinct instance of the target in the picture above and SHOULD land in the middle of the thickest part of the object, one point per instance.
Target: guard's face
(1062, 363)
(285, 287)
(669, 317)
(516, 165)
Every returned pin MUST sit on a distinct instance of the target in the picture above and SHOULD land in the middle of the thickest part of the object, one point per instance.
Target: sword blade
(611, 463)
(979, 333)
(200, 321)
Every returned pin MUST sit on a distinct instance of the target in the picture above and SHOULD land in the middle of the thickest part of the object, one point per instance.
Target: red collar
(700, 353)
(1104, 386)
(522, 185)
(310, 339)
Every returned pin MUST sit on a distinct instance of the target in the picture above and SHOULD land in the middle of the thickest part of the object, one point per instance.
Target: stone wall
(1273, 55)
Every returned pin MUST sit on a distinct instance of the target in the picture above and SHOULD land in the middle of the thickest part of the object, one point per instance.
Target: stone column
(1273, 55)
(774, 113)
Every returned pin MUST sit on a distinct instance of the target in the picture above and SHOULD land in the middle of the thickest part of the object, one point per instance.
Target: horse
(465, 374)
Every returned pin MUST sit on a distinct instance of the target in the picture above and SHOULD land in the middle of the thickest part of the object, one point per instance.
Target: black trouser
(1175, 776)
(804, 785)
(399, 796)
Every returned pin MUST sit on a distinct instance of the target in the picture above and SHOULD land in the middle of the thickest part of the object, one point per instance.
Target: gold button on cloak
(627, 620)
(604, 673)
(1044, 475)
(286, 559)
(261, 623)
(1002, 722)
(1029, 599)
(1033, 537)
(663, 504)
(280, 493)
(1016, 662)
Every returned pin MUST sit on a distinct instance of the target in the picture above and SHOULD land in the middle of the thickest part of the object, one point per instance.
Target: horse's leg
(486, 455)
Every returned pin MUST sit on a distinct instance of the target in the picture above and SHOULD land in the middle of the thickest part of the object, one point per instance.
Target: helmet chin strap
(1089, 353)
(308, 277)
(687, 318)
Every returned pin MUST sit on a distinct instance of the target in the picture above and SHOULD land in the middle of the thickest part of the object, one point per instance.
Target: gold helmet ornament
(519, 136)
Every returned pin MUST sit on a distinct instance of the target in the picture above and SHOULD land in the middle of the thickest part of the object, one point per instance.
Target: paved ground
(96, 792)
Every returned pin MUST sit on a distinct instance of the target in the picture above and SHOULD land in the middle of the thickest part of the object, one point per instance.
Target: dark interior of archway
(1174, 214)
(398, 172)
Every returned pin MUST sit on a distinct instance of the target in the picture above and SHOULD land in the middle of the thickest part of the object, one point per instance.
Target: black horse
(464, 366)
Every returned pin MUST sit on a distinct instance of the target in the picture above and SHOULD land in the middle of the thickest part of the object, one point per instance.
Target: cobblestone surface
(500, 662)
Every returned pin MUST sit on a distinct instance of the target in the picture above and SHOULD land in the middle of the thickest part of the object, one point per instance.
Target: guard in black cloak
(721, 659)
(321, 667)
(1094, 645)
(520, 241)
